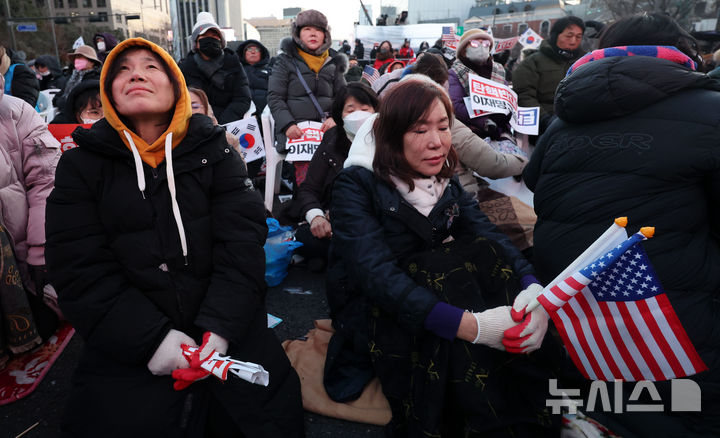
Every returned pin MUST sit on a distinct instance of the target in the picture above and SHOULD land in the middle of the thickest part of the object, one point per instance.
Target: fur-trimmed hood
(290, 48)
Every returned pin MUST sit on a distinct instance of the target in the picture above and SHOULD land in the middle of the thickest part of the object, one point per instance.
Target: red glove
(187, 376)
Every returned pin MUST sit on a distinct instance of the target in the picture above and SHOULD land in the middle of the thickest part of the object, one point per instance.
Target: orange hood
(152, 154)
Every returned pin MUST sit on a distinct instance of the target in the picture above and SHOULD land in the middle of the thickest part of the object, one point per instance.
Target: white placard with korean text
(247, 132)
(493, 97)
(303, 148)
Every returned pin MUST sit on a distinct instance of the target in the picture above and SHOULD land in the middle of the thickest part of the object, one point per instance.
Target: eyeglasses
(478, 43)
(253, 50)
(93, 113)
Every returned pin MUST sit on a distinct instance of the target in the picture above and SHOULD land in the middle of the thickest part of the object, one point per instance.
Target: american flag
(448, 34)
(616, 321)
(370, 74)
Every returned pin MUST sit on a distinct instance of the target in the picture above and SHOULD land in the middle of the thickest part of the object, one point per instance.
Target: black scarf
(212, 69)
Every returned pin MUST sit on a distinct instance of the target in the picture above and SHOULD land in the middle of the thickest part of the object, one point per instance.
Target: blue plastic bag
(279, 248)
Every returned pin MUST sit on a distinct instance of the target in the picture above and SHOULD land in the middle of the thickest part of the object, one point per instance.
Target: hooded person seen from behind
(216, 70)
(154, 237)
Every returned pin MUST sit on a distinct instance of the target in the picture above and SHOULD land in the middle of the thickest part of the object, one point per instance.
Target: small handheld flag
(615, 320)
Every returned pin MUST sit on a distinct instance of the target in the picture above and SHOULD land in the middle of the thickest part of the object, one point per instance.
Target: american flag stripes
(370, 74)
(447, 34)
(616, 321)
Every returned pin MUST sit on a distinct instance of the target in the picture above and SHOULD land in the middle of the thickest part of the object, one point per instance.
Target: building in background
(512, 19)
(149, 19)
(272, 30)
(291, 13)
(183, 13)
(362, 18)
(434, 11)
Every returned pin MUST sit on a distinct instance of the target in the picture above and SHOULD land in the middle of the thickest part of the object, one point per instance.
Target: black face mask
(210, 47)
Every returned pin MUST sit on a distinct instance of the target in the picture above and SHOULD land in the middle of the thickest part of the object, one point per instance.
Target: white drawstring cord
(138, 164)
(171, 186)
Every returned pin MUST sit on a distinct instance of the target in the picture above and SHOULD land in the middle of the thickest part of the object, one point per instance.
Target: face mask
(353, 121)
(81, 63)
(101, 46)
(89, 121)
(210, 47)
(477, 54)
(44, 73)
(384, 50)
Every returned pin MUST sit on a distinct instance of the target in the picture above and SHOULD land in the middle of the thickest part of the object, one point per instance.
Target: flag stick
(615, 234)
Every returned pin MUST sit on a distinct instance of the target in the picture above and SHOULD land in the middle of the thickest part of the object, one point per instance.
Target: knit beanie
(311, 17)
(474, 34)
(205, 22)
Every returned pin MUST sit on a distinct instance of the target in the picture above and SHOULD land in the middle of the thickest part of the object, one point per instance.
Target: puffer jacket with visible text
(638, 137)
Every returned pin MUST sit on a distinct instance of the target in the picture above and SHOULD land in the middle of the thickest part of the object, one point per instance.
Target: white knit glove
(528, 335)
(169, 354)
(491, 325)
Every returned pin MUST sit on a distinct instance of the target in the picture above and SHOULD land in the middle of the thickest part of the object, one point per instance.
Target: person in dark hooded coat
(51, 75)
(22, 82)
(104, 43)
(254, 58)
(155, 243)
(636, 136)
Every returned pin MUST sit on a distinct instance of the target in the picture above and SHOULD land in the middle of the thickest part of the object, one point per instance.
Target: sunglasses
(478, 43)
(253, 50)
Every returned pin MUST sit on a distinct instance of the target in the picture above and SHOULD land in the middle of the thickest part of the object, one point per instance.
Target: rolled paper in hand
(220, 366)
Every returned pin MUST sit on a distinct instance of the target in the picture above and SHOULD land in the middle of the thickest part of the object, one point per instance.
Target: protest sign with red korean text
(303, 148)
(63, 134)
(494, 97)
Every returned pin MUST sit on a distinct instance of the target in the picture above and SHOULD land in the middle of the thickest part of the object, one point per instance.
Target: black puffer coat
(288, 100)
(374, 228)
(257, 74)
(227, 89)
(325, 165)
(55, 79)
(24, 84)
(638, 137)
(115, 257)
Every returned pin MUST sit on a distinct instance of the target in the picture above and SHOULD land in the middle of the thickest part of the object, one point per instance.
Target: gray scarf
(212, 69)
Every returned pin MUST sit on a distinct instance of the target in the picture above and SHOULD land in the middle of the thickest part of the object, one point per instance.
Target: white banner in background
(493, 97)
(416, 33)
(248, 133)
(303, 148)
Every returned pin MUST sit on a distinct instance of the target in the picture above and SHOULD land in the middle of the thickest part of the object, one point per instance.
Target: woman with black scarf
(537, 77)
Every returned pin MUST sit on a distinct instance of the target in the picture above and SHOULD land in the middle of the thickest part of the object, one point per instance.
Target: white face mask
(353, 121)
(477, 54)
(89, 121)
(101, 46)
